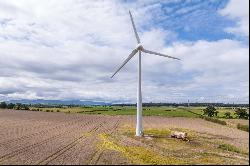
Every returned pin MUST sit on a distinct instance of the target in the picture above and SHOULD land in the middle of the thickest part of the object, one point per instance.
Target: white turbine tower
(139, 48)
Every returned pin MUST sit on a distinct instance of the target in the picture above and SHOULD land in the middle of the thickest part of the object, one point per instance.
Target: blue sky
(194, 20)
(68, 49)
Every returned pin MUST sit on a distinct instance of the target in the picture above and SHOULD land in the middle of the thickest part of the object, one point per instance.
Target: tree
(3, 105)
(18, 106)
(227, 115)
(216, 113)
(10, 106)
(25, 107)
(210, 111)
(241, 113)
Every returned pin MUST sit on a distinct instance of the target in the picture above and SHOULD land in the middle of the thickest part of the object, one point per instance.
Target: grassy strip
(214, 120)
(193, 112)
(185, 150)
(229, 147)
(137, 154)
(243, 127)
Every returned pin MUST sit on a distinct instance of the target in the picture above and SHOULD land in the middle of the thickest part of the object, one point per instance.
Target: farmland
(73, 136)
(131, 110)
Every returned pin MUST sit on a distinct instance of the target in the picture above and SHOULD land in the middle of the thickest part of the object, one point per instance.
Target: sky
(68, 49)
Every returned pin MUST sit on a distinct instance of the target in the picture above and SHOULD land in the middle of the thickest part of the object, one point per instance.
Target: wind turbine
(139, 48)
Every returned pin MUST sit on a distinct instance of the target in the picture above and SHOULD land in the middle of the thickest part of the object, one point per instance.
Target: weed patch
(214, 120)
(137, 154)
(243, 127)
(229, 147)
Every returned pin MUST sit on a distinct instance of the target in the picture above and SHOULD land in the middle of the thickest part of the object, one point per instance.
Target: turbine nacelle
(139, 47)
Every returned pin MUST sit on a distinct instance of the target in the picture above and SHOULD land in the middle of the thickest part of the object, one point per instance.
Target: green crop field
(129, 110)
(147, 111)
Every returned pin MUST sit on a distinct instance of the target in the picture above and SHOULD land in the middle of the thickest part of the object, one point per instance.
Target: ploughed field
(36, 137)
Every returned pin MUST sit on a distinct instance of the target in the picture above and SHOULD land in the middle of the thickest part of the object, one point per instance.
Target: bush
(215, 120)
(241, 113)
(228, 115)
(229, 147)
(10, 106)
(243, 127)
(25, 107)
(3, 105)
(18, 106)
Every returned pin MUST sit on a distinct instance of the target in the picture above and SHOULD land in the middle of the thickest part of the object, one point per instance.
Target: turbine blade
(129, 57)
(133, 24)
(152, 52)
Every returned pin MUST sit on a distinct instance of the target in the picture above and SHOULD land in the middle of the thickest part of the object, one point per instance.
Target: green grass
(229, 147)
(223, 110)
(147, 111)
(192, 112)
(127, 110)
(215, 120)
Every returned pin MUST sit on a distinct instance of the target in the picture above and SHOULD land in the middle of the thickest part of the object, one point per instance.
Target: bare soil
(28, 137)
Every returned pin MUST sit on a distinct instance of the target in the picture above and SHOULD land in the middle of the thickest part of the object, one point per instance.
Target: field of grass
(128, 110)
(193, 112)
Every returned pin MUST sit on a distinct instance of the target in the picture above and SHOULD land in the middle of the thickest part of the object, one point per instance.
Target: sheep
(179, 135)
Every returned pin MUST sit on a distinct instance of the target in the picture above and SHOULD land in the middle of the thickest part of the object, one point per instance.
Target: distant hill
(88, 102)
(58, 102)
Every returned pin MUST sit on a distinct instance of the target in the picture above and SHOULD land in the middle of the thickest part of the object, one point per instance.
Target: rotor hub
(139, 46)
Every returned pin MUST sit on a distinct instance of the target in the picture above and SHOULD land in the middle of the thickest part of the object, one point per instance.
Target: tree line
(239, 112)
(186, 104)
(17, 106)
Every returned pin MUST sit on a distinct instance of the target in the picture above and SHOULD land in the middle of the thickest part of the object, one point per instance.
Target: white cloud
(238, 10)
(69, 49)
(207, 69)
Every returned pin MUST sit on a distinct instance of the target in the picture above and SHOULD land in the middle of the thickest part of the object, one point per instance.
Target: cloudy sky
(68, 49)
